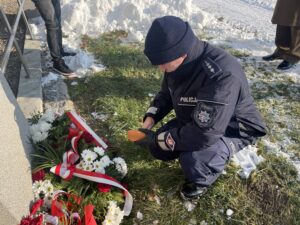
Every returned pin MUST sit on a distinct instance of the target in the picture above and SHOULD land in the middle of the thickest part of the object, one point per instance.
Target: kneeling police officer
(208, 90)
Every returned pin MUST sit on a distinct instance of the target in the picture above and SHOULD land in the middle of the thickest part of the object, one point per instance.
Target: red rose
(37, 221)
(104, 187)
(39, 175)
(87, 137)
(32, 221)
(25, 221)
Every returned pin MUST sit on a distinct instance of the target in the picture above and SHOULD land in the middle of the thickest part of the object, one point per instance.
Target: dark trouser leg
(201, 167)
(47, 11)
(288, 43)
(295, 43)
(57, 8)
(205, 166)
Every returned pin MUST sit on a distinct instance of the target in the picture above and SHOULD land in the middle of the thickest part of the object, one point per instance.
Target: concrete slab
(30, 89)
(15, 175)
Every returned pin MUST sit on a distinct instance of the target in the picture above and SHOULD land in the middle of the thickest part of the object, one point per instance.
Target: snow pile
(94, 17)
(244, 24)
(82, 62)
(267, 4)
(46, 80)
(247, 159)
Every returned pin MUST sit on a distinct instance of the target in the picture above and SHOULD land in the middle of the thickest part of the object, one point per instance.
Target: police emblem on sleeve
(204, 114)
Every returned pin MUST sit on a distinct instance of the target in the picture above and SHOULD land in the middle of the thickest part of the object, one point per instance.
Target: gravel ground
(10, 8)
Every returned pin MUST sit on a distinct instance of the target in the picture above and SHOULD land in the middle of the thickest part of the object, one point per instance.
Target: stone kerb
(30, 89)
(15, 175)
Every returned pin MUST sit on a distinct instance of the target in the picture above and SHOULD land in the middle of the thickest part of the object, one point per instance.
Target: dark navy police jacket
(211, 98)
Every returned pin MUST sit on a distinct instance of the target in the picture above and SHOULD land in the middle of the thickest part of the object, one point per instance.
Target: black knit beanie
(168, 38)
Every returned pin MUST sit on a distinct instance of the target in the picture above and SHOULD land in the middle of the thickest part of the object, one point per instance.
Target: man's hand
(149, 139)
(164, 140)
(148, 123)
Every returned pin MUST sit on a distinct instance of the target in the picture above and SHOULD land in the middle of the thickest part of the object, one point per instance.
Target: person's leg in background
(47, 11)
(288, 44)
(57, 8)
(295, 45)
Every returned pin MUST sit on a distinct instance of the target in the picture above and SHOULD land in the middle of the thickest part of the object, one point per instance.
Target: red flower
(88, 138)
(37, 221)
(39, 175)
(104, 187)
(26, 221)
(73, 132)
(32, 221)
(36, 206)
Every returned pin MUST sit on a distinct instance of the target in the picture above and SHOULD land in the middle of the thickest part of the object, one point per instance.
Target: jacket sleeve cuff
(151, 112)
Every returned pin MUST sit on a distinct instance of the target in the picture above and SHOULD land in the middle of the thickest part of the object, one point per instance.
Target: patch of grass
(269, 196)
(237, 53)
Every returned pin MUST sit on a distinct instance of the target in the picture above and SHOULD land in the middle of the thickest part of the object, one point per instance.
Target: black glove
(155, 140)
(149, 139)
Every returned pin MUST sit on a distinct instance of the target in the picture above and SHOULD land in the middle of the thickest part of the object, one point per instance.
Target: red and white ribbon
(67, 169)
(80, 123)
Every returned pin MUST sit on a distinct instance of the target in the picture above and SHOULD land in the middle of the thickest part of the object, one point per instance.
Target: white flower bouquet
(81, 164)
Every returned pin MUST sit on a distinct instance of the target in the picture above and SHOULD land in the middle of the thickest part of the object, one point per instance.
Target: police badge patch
(203, 117)
(204, 114)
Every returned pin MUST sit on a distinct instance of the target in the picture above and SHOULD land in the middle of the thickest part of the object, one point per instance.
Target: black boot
(285, 65)
(190, 191)
(60, 67)
(271, 57)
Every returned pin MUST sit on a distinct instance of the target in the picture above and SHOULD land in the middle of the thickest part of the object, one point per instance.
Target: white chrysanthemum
(100, 151)
(39, 136)
(37, 185)
(98, 167)
(48, 116)
(49, 188)
(40, 191)
(47, 182)
(44, 126)
(42, 186)
(85, 152)
(100, 170)
(114, 214)
(80, 165)
(33, 129)
(90, 157)
(97, 164)
(105, 161)
(121, 165)
(88, 167)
